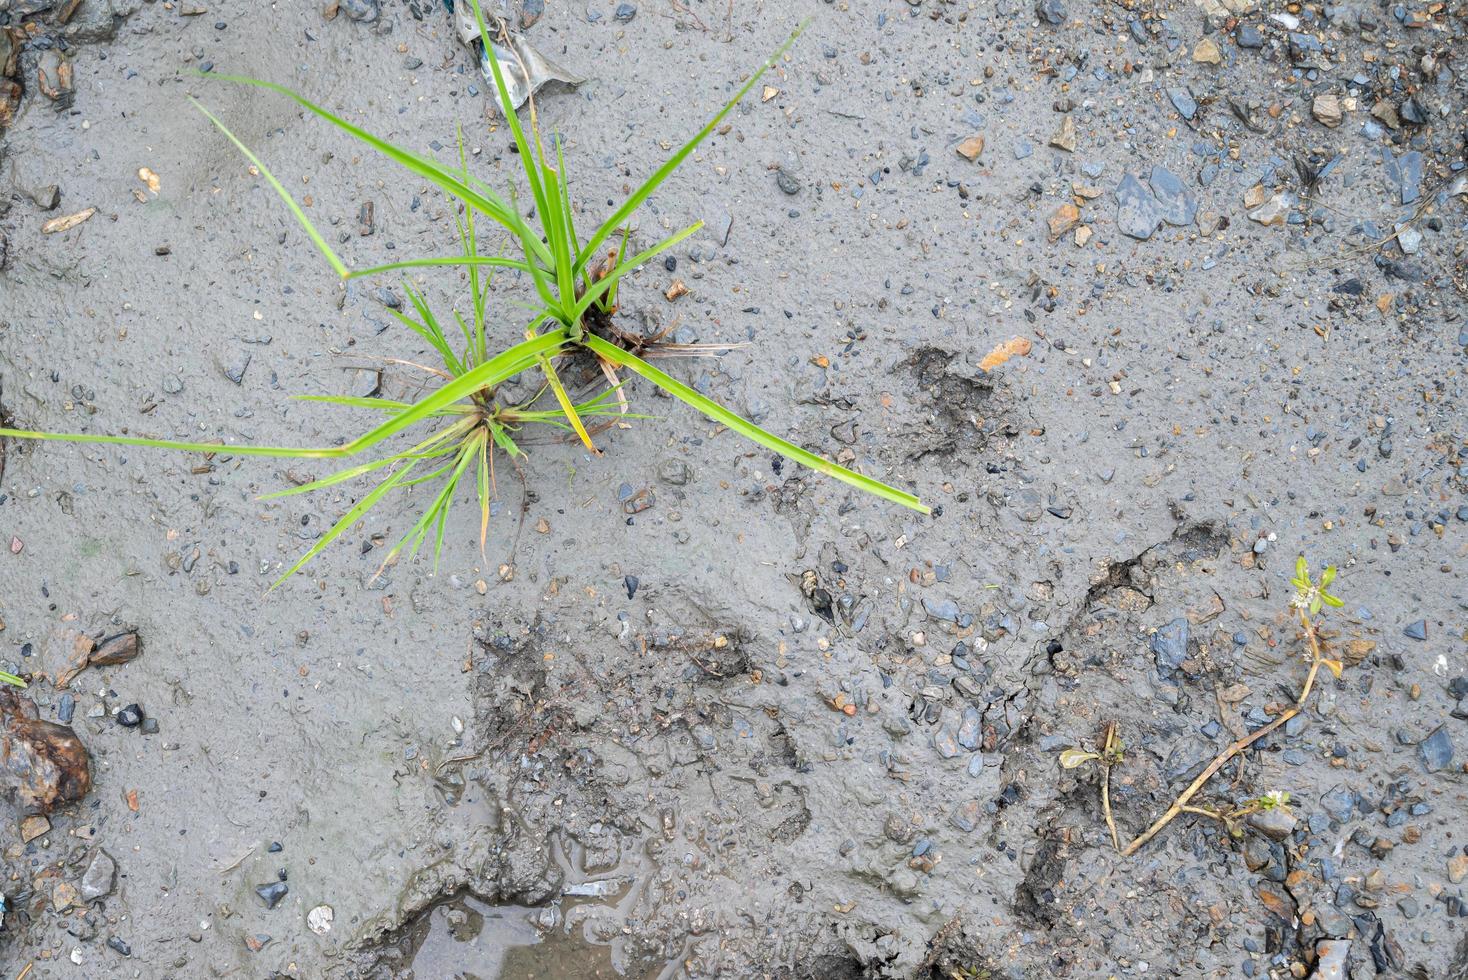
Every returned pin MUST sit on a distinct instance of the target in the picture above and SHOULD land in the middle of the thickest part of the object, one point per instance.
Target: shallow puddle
(471, 940)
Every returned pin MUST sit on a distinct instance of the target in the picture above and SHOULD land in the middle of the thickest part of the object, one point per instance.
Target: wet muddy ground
(818, 736)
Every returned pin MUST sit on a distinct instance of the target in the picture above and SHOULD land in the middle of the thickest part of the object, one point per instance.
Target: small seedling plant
(1311, 596)
(462, 426)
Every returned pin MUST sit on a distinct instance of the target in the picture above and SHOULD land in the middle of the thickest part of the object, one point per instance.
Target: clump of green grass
(577, 286)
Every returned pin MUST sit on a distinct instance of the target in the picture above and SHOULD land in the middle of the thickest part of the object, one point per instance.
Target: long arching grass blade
(506, 365)
(482, 200)
(746, 428)
(290, 202)
(348, 519)
(661, 173)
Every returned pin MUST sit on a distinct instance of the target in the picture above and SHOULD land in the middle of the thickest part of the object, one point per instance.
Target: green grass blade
(672, 163)
(434, 339)
(341, 476)
(596, 291)
(473, 263)
(503, 440)
(564, 249)
(348, 519)
(564, 182)
(483, 200)
(290, 202)
(494, 371)
(12, 680)
(377, 404)
(569, 409)
(435, 334)
(527, 160)
(746, 428)
(485, 493)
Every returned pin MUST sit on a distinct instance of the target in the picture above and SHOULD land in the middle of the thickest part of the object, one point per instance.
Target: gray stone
(965, 816)
(1339, 802)
(1405, 173)
(236, 371)
(273, 893)
(99, 878)
(1051, 12)
(945, 743)
(971, 730)
(1170, 646)
(1436, 750)
(1178, 204)
(1137, 212)
(363, 10)
(1029, 505)
(1183, 101)
(1276, 823)
(1330, 963)
(945, 609)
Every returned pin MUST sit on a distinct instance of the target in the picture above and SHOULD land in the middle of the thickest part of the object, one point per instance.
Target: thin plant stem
(1106, 806)
(1180, 805)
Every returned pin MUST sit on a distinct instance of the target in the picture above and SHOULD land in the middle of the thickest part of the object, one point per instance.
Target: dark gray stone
(1170, 646)
(1436, 750)
(1137, 211)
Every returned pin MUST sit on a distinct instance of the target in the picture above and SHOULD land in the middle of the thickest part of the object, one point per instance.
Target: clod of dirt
(43, 763)
(965, 411)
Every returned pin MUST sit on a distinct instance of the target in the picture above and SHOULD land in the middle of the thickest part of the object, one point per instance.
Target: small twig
(1106, 783)
(1239, 746)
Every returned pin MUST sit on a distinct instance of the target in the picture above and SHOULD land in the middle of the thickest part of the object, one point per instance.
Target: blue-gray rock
(971, 730)
(1179, 206)
(945, 609)
(625, 12)
(945, 743)
(1137, 212)
(1249, 36)
(272, 893)
(363, 10)
(1051, 12)
(1417, 630)
(1339, 802)
(965, 816)
(1023, 149)
(1436, 750)
(1405, 173)
(1183, 101)
(1170, 646)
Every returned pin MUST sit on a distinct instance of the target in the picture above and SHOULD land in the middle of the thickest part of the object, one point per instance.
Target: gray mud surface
(820, 739)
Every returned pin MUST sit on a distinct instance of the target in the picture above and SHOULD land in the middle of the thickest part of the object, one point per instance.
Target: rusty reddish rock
(42, 763)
